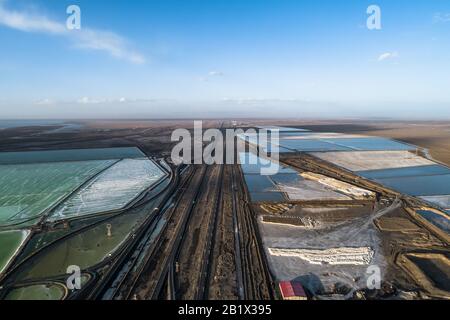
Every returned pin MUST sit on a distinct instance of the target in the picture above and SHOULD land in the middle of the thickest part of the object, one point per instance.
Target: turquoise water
(69, 155)
(280, 149)
(286, 178)
(27, 190)
(405, 172)
(370, 144)
(283, 129)
(5, 124)
(257, 183)
(264, 188)
(252, 164)
(311, 145)
(419, 185)
(296, 133)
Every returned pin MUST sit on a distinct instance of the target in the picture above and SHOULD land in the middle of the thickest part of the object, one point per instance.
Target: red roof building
(292, 290)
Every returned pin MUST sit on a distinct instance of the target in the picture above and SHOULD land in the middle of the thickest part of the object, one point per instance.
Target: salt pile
(333, 256)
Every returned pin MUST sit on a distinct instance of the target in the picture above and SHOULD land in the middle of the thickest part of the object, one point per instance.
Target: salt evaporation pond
(430, 170)
(11, 243)
(441, 221)
(86, 249)
(113, 189)
(305, 145)
(371, 144)
(69, 155)
(419, 185)
(45, 291)
(28, 190)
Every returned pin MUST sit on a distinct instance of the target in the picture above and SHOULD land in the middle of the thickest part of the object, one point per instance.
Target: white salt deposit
(334, 256)
(112, 189)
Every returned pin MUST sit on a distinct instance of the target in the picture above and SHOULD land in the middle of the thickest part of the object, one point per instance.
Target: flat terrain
(432, 135)
(209, 238)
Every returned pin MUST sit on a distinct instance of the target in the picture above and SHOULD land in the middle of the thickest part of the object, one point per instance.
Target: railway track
(182, 262)
(175, 256)
(237, 238)
(151, 280)
(205, 275)
(127, 275)
(256, 277)
(193, 257)
(128, 284)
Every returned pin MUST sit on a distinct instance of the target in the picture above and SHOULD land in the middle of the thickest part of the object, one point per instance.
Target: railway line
(257, 280)
(127, 276)
(207, 247)
(206, 274)
(193, 256)
(143, 280)
(151, 281)
(72, 229)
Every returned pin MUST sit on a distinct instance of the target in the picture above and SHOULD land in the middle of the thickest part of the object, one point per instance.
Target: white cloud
(387, 55)
(109, 42)
(88, 39)
(45, 102)
(215, 73)
(87, 100)
(441, 17)
(27, 23)
(210, 75)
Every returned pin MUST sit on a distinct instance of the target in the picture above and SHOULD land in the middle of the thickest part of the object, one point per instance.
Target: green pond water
(27, 190)
(70, 155)
(10, 243)
(53, 291)
(85, 250)
(111, 190)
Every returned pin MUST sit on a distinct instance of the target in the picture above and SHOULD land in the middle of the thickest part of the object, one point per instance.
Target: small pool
(286, 178)
(267, 197)
(441, 221)
(257, 183)
(313, 145)
(370, 144)
(429, 170)
(419, 185)
(69, 155)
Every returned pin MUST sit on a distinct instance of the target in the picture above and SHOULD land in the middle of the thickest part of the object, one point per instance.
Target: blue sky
(168, 58)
